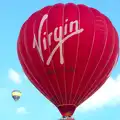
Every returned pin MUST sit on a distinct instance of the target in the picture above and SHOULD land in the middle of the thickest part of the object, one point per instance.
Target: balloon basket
(67, 118)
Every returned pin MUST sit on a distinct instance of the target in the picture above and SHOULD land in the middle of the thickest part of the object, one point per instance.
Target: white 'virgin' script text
(57, 37)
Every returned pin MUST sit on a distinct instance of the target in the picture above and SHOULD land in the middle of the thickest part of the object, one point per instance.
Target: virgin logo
(57, 37)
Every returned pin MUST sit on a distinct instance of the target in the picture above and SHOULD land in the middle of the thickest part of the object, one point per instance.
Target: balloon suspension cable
(67, 118)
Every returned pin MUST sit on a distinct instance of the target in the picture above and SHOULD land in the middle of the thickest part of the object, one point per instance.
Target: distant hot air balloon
(16, 94)
(68, 51)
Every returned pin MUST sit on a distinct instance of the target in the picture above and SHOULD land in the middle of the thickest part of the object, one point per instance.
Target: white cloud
(14, 76)
(21, 110)
(108, 94)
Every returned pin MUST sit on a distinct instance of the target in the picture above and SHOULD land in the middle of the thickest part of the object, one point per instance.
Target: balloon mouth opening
(66, 110)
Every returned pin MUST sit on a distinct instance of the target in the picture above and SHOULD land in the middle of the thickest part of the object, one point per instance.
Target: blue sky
(105, 104)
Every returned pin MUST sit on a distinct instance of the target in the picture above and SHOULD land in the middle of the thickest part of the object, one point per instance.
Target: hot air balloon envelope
(16, 94)
(68, 51)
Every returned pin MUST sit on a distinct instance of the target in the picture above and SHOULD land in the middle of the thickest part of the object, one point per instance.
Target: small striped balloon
(16, 94)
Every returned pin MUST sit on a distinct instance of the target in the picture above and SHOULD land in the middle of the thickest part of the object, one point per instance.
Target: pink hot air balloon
(67, 51)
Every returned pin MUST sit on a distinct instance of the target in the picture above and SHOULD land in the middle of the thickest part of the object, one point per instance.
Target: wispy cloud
(108, 94)
(14, 76)
(21, 110)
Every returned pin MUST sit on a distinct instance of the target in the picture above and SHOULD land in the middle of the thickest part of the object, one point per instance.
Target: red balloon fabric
(68, 51)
